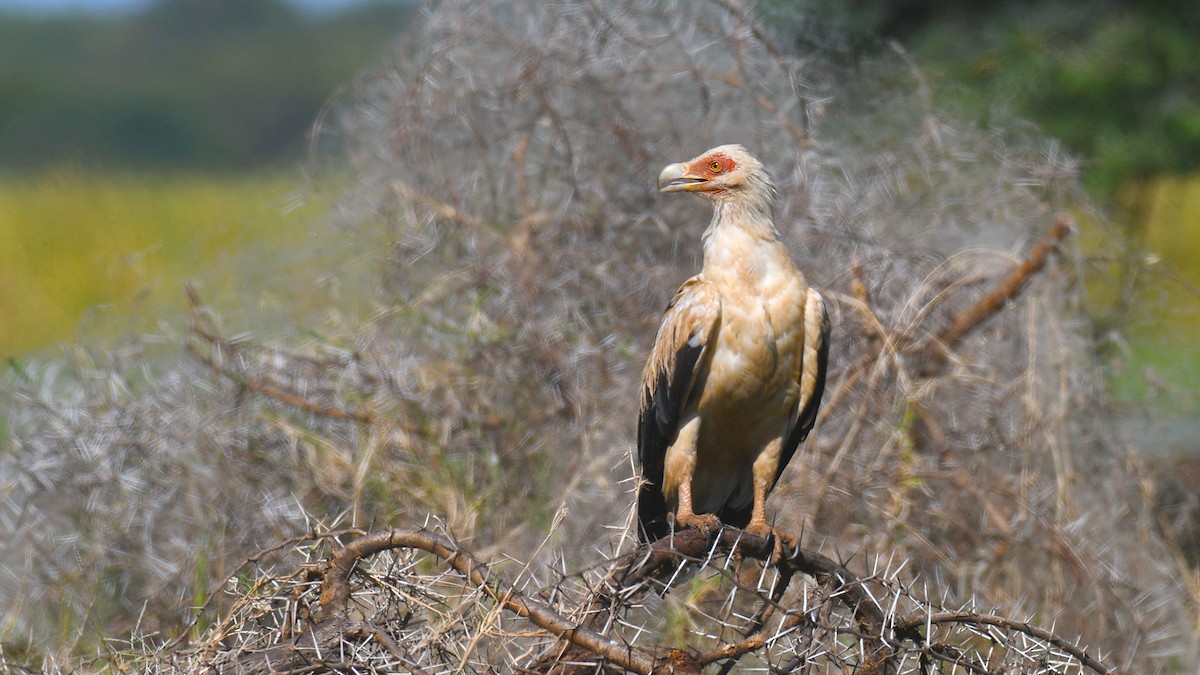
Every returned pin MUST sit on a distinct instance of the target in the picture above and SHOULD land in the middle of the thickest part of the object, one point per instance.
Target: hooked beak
(677, 178)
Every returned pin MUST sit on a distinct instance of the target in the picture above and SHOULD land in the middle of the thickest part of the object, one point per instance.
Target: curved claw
(706, 522)
(781, 542)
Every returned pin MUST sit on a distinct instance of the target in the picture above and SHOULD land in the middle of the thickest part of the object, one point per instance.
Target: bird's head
(725, 173)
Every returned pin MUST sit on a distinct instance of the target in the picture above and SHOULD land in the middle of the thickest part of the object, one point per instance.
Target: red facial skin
(704, 165)
(709, 167)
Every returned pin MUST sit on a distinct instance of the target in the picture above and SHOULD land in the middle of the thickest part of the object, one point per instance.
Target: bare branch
(915, 622)
(336, 593)
(1004, 291)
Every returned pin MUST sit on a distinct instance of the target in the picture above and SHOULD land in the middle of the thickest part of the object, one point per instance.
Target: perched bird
(732, 385)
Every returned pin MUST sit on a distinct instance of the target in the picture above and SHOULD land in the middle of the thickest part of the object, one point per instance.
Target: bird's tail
(653, 523)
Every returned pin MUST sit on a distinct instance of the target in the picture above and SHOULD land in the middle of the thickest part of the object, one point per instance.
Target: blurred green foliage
(1118, 81)
(196, 84)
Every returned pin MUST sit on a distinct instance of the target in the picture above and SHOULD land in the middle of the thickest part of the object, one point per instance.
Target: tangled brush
(506, 158)
(417, 601)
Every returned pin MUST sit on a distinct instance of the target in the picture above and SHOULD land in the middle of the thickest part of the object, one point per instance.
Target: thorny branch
(884, 638)
(989, 620)
(335, 595)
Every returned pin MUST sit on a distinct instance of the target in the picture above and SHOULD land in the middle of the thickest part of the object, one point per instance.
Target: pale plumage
(738, 366)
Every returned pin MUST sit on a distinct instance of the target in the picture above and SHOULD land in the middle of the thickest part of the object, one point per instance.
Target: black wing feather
(657, 427)
(695, 308)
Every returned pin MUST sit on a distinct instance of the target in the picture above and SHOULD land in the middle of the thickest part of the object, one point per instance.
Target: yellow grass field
(91, 255)
(1165, 345)
(99, 255)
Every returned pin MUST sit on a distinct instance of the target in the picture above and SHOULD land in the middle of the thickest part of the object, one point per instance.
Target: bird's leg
(681, 462)
(764, 480)
(765, 466)
(686, 518)
(758, 526)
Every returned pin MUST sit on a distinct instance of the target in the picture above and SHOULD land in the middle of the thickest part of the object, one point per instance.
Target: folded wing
(679, 359)
(813, 365)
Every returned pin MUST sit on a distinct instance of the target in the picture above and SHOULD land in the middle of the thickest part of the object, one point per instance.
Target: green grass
(106, 254)
(1165, 346)
(1171, 224)
(1163, 342)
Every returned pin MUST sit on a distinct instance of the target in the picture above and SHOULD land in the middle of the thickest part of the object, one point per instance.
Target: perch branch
(691, 545)
(336, 594)
(643, 569)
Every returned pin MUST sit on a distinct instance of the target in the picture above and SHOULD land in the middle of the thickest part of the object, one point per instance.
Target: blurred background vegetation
(212, 85)
(98, 108)
(1117, 82)
(164, 142)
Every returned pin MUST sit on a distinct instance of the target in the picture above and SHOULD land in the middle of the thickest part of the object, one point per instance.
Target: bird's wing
(814, 362)
(676, 362)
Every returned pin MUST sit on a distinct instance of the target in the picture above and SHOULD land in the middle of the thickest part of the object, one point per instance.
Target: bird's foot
(781, 542)
(760, 529)
(786, 545)
(705, 522)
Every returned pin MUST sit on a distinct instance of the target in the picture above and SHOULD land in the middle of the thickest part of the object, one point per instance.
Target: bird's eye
(714, 166)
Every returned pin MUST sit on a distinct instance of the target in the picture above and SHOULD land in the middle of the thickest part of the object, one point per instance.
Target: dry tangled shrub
(417, 601)
(509, 154)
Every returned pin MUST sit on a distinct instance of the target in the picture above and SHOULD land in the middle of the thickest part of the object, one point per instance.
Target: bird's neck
(742, 240)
